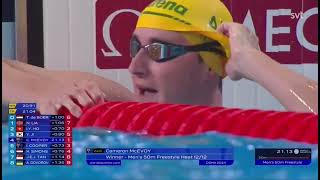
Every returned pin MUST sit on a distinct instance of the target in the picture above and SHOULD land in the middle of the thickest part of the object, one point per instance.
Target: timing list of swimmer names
(38, 139)
(204, 156)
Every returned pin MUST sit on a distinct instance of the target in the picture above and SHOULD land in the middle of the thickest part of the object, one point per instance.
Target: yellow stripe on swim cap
(200, 16)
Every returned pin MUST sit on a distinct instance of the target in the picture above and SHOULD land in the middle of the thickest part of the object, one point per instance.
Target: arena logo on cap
(170, 5)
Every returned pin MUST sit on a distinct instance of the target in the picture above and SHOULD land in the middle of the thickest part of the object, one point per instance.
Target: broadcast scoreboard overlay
(38, 139)
(205, 156)
(290, 156)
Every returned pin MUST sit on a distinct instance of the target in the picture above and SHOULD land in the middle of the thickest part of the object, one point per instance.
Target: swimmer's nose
(139, 66)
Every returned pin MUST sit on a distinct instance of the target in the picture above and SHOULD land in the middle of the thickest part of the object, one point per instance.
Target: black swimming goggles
(163, 51)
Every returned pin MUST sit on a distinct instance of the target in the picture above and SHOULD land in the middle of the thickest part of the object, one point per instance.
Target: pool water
(242, 168)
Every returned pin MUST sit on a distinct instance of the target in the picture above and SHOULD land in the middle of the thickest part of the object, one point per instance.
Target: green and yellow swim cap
(196, 16)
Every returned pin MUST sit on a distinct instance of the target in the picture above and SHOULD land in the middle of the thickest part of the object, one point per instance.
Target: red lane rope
(173, 119)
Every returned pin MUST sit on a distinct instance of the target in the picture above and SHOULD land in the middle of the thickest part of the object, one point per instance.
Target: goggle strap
(177, 51)
(210, 47)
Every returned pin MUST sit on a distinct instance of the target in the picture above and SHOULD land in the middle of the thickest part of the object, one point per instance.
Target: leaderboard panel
(38, 139)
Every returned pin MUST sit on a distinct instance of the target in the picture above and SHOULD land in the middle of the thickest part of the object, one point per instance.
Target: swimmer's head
(170, 43)
(200, 17)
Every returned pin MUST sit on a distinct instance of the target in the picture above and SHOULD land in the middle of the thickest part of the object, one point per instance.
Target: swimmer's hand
(242, 42)
(293, 90)
(85, 93)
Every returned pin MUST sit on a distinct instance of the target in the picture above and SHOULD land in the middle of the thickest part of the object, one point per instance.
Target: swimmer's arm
(24, 67)
(112, 90)
(18, 86)
(293, 90)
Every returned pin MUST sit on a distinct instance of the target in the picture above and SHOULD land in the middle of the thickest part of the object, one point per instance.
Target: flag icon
(19, 150)
(19, 134)
(19, 123)
(19, 145)
(19, 117)
(19, 139)
(19, 157)
(19, 163)
(20, 128)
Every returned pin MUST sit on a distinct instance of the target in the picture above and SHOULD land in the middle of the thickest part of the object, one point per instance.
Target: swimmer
(181, 50)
